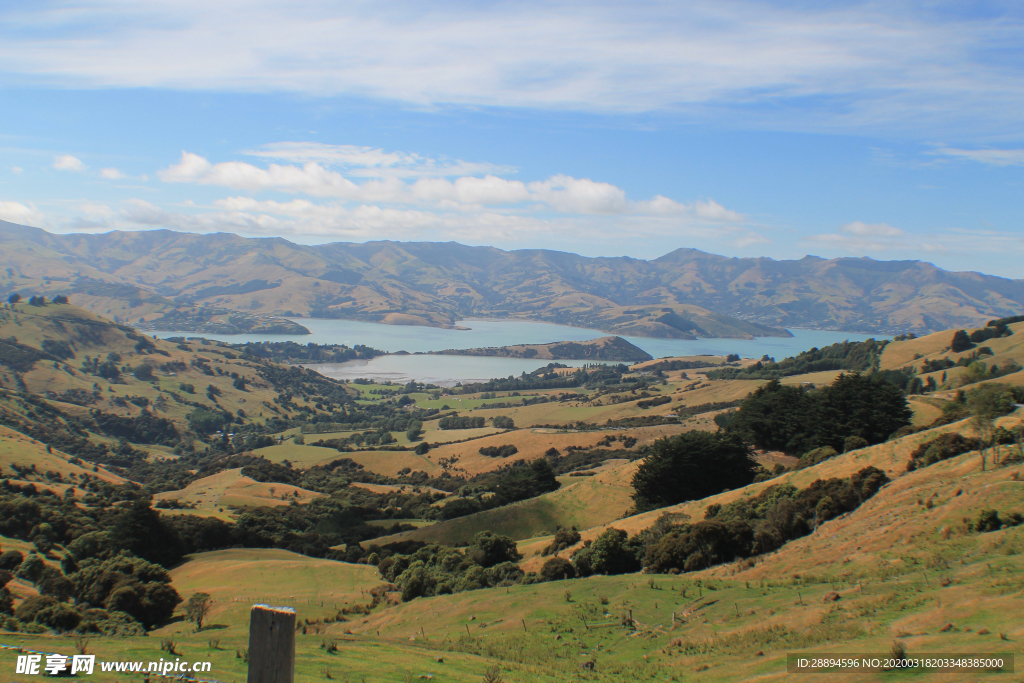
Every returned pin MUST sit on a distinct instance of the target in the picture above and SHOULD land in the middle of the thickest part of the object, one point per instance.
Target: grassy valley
(670, 519)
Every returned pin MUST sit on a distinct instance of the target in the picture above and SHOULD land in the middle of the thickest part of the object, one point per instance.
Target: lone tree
(988, 403)
(197, 607)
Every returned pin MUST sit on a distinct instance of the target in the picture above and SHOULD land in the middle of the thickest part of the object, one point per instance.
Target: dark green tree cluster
(499, 451)
(613, 552)
(989, 520)
(942, 447)
(760, 524)
(691, 466)
(508, 484)
(503, 422)
(489, 560)
(744, 528)
(453, 422)
(796, 420)
(112, 567)
(852, 356)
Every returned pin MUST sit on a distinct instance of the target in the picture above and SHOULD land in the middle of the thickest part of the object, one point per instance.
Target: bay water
(445, 370)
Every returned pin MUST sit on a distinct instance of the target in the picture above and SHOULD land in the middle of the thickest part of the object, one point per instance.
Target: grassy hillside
(582, 502)
(62, 349)
(231, 489)
(891, 457)
(25, 452)
(902, 570)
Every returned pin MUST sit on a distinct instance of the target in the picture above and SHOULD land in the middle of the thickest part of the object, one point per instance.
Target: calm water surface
(447, 370)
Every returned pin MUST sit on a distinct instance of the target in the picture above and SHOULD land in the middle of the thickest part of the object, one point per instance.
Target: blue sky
(885, 129)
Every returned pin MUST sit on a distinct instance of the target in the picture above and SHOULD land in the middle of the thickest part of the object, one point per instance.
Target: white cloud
(837, 64)
(17, 170)
(316, 221)
(579, 195)
(560, 193)
(16, 212)
(468, 190)
(310, 179)
(68, 163)
(992, 157)
(111, 174)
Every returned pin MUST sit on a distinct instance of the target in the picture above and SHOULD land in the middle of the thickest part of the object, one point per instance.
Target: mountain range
(162, 276)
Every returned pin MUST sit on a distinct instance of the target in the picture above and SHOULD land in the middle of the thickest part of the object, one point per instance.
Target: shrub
(942, 447)
(11, 559)
(564, 538)
(558, 568)
(817, 455)
(32, 568)
(488, 549)
(611, 553)
(853, 443)
(988, 520)
(205, 421)
(144, 372)
(960, 342)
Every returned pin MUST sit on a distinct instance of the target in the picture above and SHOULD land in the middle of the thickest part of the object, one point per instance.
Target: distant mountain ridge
(684, 294)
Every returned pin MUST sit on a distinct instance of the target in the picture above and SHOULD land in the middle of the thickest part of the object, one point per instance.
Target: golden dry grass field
(230, 488)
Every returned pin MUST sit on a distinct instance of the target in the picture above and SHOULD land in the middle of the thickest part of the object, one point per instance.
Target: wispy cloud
(797, 65)
(68, 163)
(370, 162)
(859, 238)
(992, 157)
(111, 174)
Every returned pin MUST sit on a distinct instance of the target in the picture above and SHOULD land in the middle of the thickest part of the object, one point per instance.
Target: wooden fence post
(271, 644)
